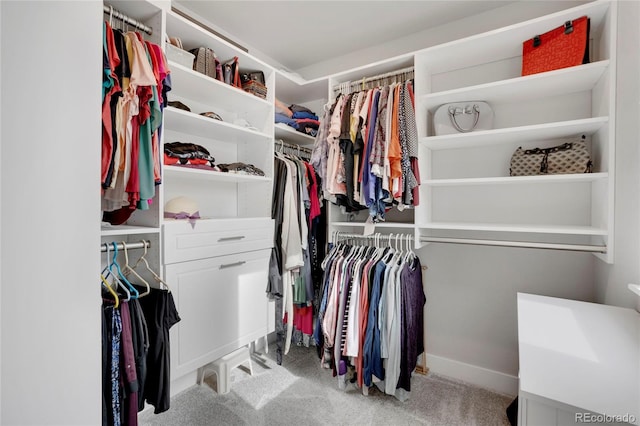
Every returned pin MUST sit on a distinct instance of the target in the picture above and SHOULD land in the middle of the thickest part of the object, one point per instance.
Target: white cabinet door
(222, 303)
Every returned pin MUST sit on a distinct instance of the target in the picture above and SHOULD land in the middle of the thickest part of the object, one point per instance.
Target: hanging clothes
(371, 316)
(297, 211)
(367, 149)
(135, 356)
(136, 80)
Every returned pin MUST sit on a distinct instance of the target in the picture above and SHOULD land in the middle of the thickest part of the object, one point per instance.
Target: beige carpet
(301, 393)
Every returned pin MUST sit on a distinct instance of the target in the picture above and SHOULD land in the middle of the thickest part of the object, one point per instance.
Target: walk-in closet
(319, 212)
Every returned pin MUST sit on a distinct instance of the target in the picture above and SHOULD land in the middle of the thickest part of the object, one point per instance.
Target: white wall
(613, 279)
(49, 176)
(471, 312)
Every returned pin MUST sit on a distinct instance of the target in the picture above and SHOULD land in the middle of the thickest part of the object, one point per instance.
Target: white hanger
(153, 274)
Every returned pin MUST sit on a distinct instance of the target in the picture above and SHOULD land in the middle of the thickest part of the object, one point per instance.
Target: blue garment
(372, 355)
(378, 195)
(304, 114)
(281, 118)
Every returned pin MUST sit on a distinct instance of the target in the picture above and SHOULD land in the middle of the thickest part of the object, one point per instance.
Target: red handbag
(562, 47)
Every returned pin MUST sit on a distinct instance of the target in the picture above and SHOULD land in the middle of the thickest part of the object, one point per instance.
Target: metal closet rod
(284, 144)
(379, 236)
(374, 78)
(127, 20)
(128, 246)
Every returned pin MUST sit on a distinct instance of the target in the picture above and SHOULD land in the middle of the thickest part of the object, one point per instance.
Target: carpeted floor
(301, 393)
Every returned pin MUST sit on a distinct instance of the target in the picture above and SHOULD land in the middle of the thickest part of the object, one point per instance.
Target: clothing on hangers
(135, 345)
(135, 85)
(296, 210)
(367, 148)
(371, 315)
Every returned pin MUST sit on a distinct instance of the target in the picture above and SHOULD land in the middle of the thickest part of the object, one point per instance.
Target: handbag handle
(468, 109)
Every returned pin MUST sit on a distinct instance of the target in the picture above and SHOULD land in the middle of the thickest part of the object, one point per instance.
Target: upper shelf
(193, 85)
(517, 180)
(139, 10)
(194, 124)
(194, 36)
(289, 134)
(506, 42)
(535, 132)
(552, 83)
(186, 172)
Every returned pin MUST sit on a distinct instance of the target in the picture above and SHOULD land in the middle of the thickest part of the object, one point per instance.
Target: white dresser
(579, 362)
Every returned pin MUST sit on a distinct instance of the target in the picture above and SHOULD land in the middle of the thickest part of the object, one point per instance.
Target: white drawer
(215, 237)
(222, 304)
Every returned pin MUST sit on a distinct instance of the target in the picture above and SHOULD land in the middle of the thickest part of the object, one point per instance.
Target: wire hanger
(128, 269)
(153, 274)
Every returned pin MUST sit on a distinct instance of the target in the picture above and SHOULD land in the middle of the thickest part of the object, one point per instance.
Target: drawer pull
(231, 265)
(230, 238)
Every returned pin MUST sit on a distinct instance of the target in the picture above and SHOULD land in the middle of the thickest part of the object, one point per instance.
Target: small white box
(180, 56)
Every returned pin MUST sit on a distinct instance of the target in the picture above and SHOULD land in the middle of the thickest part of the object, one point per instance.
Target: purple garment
(412, 321)
(128, 366)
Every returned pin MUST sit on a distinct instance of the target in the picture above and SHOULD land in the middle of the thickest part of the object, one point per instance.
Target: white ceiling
(301, 33)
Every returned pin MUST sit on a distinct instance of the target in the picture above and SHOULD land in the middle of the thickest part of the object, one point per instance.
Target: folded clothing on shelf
(180, 153)
(282, 118)
(241, 168)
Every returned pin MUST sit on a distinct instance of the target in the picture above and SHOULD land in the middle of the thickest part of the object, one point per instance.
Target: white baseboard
(479, 376)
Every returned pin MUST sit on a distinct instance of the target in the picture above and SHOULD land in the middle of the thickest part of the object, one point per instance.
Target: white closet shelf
(291, 135)
(114, 230)
(194, 36)
(553, 83)
(516, 135)
(527, 228)
(201, 88)
(141, 10)
(518, 180)
(504, 43)
(186, 172)
(178, 120)
(394, 225)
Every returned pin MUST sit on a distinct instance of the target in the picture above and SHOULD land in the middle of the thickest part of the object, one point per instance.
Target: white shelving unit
(466, 182)
(221, 262)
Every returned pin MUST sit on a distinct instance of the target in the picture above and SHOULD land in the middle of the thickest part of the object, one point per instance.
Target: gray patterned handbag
(570, 157)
